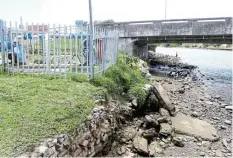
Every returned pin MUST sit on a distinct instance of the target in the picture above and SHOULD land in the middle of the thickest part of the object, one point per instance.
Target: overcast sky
(67, 11)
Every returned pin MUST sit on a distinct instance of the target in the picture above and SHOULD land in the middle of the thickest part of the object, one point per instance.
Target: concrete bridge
(135, 35)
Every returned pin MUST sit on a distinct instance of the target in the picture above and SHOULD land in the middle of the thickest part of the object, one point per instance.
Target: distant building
(35, 28)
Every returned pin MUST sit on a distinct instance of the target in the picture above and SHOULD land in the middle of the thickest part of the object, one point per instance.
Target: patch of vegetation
(33, 108)
(121, 76)
(139, 93)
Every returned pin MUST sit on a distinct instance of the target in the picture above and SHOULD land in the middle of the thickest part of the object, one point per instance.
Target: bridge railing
(204, 26)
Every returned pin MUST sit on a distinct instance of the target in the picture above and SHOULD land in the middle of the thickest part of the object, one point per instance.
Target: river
(215, 64)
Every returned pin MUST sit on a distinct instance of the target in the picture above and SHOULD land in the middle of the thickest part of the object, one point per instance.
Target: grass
(120, 77)
(34, 108)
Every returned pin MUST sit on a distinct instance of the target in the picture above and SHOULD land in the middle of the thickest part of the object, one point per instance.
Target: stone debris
(178, 141)
(140, 144)
(163, 98)
(155, 148)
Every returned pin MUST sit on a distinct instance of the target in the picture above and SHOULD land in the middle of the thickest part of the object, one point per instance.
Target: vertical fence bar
(12, 50)
(38, 46)
(49, 59)
(87, 52)
(65, 30)
(27, 54)
(2, 44)
(59, 52)
(76, 50)
(7, 40)
(32, 45)
(43, 48)
(17, 45)
(81, 47)
(91, 52)
(54, 50)
(22, 47)
(71, 54)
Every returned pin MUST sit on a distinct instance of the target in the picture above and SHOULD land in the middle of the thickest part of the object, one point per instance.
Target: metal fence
(56, 50)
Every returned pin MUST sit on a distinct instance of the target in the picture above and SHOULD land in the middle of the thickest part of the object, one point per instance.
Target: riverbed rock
(228, 122)
(163, 98)
(194, 127)
(154, 148)
(140, 144)
(178, 141)
(229, 107)
(166, 129)
(181, 91)
(149, 133)
(194, 114)
(128, 133)
(225, 144)
(218, 153)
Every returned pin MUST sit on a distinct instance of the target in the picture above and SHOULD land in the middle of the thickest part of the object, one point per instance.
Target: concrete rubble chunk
(166, 129)
(128, 133)
(140, 144)
(154, 148)
(229, 107)
(178, 141)
(163, 98)
(228, 122)
(225, 144)
(84, 143)
(194, 127)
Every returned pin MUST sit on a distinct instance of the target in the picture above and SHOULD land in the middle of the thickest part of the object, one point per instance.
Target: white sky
(67, 11)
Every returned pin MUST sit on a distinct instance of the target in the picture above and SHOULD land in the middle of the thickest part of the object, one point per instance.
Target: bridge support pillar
(141, 49)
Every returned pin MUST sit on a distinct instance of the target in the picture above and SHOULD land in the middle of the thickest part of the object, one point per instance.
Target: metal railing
(59, 50)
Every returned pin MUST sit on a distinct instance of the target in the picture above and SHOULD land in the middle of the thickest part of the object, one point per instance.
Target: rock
(150, 121)
(147, 87)
(194, 114)
(181, 91)
(225, 144)
(218, 153)
(223, 127)
(202, 153)
(140, 144)
(134, 103)
(229, 107)
(228, 122)
(128, 133)
(84, 143)
(154, 148)
(194, 127)
(217, 97)
(149, 134)
(163, 98)
(206, 144)
(164, 112)
(121, 150)
(166, 129)
(216, 118)
(178, 141)
(208, 102)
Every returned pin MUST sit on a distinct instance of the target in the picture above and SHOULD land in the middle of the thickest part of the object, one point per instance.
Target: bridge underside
(219, 39)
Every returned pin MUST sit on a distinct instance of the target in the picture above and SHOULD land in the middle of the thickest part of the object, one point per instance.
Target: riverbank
(193, 96)
(192, 99)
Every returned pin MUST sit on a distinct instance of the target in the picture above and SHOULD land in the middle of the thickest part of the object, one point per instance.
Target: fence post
(2, 44)
(91, 65)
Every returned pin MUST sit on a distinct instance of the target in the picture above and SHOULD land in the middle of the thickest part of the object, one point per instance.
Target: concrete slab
(194, 127)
